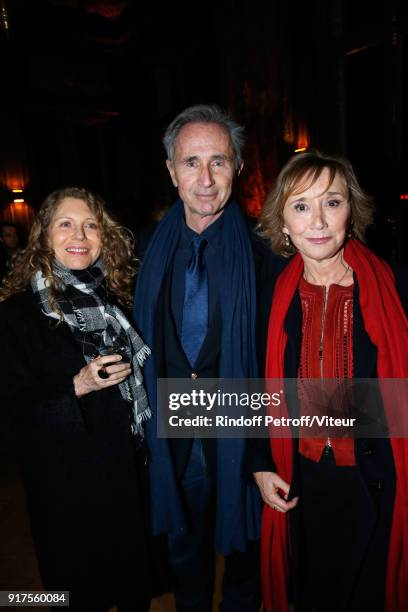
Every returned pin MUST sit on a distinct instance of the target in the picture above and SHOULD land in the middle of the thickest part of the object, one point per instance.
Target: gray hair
(205, 113)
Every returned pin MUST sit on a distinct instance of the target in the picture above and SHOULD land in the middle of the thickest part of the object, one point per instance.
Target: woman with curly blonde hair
(73, 389)
(116, 247)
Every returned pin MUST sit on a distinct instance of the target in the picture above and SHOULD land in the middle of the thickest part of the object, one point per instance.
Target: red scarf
(387, 326)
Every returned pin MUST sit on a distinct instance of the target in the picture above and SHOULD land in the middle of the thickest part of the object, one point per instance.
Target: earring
(286, 239)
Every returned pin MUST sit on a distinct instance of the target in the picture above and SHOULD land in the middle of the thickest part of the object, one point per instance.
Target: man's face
(202, 170)
(9, 237)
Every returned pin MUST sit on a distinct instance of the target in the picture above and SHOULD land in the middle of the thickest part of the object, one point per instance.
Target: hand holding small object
(89, 377)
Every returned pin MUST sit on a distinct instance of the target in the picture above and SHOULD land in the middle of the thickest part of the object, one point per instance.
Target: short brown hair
(116, 253)
(300, 173)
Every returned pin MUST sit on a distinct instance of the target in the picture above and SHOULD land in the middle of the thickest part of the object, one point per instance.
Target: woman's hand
(274, 491)
(88, 378)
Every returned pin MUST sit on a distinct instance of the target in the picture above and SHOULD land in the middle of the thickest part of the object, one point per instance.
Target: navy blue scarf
(237, 360)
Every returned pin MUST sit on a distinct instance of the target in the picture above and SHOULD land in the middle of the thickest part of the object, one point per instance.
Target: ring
(102, 373)
(275, 507)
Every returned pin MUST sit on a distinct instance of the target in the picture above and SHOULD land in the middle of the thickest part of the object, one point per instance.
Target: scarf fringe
(142, 354)
(143, 416)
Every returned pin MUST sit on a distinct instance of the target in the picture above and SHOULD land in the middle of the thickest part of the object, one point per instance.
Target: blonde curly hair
(116, 250)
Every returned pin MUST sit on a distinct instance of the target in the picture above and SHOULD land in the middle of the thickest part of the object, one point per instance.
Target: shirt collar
(212, 233)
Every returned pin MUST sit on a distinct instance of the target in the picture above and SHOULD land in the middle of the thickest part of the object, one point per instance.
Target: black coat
(83, 479)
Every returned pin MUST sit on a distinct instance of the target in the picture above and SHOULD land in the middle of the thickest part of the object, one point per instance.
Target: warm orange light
(255, 192)
(19, 213)
(289, 131)
(17, 190)
(13, 178)
(302, 139)
(253, 188)
(296, 134)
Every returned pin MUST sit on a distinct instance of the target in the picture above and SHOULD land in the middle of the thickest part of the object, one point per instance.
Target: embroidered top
(326, 352)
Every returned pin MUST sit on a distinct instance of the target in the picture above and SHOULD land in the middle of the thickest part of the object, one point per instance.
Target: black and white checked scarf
(96, 324)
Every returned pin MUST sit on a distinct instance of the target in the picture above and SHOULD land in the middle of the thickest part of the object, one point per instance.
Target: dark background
(89, 86)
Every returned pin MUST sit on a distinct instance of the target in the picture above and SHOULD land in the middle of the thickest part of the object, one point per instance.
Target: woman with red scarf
(335, 523)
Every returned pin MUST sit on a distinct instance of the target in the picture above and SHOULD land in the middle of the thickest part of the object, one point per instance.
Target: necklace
(345, 272)
(336, 282)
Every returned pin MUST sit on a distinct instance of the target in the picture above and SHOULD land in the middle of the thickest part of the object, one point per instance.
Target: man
(195, 305)
(9, 243)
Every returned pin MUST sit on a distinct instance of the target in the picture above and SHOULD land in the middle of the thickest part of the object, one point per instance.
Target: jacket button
(194, 375)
